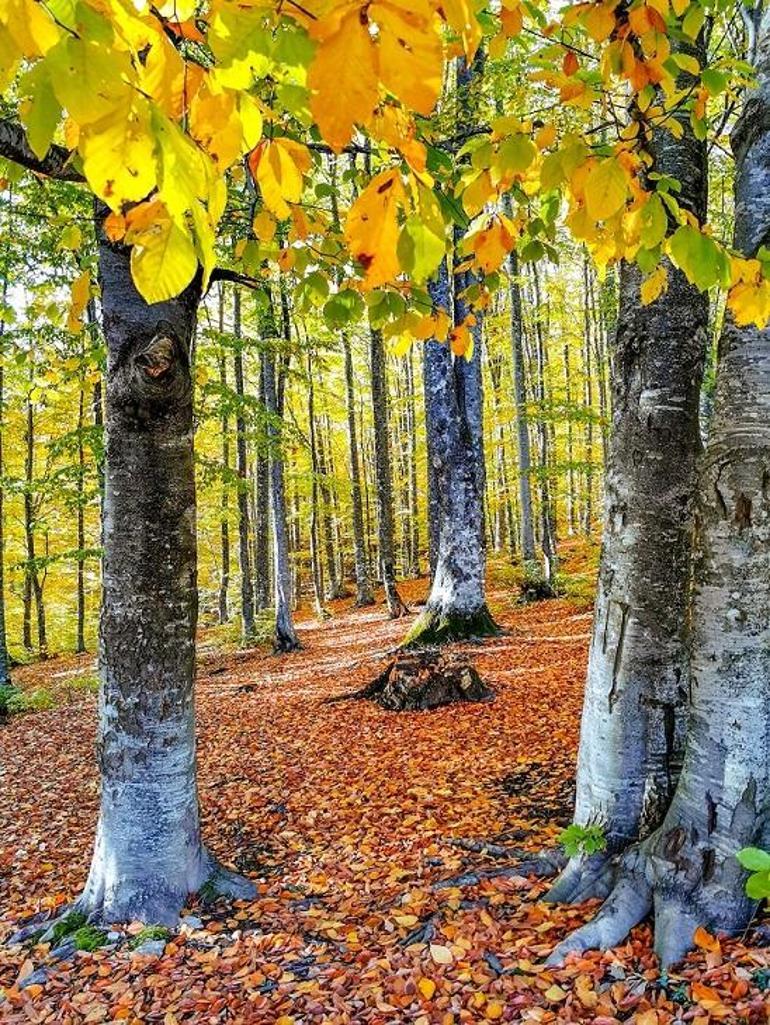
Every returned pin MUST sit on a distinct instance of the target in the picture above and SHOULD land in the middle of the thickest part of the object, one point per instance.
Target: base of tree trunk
(434, 627)
(424, 680)
(283, 644)
(365, 600)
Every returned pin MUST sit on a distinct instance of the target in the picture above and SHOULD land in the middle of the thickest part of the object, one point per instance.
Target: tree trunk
(284, 636)
(315, 553)
(638, 677)
(547, 502)
(80, 641)
(383, 475)
(526, 523)
(244, 554)
(32, 584)
(364, 594)
(149, 854)
(5, 662)
(224, 499)
(261, 496)
(456, 607)
(588, 397)
(688, 869)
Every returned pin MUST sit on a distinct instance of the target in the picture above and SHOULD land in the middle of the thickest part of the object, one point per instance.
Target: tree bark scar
(742, 511)
(624, 611)
(711, 821)
(157, 359)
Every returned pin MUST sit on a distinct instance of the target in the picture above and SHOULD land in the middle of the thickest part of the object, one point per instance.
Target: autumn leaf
(275, 169)
(606, 189)
(343, 76)
(441, 954)
(372, 228)
(81, 293)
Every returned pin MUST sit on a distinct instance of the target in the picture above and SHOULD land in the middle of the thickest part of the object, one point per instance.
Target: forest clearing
(350, 816)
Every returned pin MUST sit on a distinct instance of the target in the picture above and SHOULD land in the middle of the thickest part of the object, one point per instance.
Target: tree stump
(417, 681)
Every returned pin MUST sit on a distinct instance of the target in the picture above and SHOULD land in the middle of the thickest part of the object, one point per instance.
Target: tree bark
(80, 640)
(224, 498)
(383, 474)
(284, 636)
(261, 496)
(687, 870)
(364, 594)
(633, 725)
(456, 606)
(241, 457)
(526, 522)
(5, 662)
(33, 587)
(149, 854)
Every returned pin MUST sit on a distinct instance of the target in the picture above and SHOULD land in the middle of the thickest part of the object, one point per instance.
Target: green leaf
(699, 258)
(758, 886)
(654, 222)
(754, 859)
(516, 154)
(714, 81)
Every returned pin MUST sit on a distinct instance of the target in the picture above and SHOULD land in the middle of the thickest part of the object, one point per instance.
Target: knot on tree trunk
(427, 679)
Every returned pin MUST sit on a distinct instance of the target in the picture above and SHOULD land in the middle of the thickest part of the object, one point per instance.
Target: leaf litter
(350, 818)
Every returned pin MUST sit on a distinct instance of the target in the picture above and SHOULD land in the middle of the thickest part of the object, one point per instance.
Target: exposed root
(583, 878)
(283, 644)
(224, 882)
(538, 865)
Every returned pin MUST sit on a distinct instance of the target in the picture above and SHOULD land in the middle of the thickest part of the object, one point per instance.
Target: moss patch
(148, 934)
(432, 628)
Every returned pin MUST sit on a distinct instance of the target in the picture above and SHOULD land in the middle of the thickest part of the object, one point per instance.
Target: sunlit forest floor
(349, 816)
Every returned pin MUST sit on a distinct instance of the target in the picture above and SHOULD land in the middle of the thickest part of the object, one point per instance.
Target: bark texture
(687, 870)
(456, 606)
(149, 854)
(634, 712)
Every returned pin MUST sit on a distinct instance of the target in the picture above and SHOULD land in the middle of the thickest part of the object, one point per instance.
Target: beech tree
(687, 871)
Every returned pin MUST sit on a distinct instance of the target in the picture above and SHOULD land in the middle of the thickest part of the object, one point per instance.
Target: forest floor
(348, 816)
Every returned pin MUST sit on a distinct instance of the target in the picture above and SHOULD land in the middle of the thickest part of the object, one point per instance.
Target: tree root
(539, 865)
(669, 874)
(584, 877)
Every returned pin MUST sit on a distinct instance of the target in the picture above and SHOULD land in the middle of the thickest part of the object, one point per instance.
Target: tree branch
(224, 274)
(55, 164)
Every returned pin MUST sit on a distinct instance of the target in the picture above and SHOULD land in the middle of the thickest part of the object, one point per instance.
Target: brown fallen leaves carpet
(348, 816)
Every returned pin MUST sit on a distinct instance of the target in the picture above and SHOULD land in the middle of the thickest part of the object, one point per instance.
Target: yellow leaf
(463, 21)
(649, 1017)
(494, 1010)
(605, 189)
(705, 996)
(491, 245)
(343, 76)
(599, 22)
(427, 987)
(372, 228)
(440, 953)
(654, 285)
(264, 226)
(546, 136)
(163, 261)
(411, 56)
(277, 174)
(81, 293)
(119, 154)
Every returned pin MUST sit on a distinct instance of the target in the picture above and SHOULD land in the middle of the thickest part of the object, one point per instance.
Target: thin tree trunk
(547, 504)
(32, 585)
(80, 642)
(315, 554)
(241, 457)
(148, 854)
(383, 475)
(414, 515)
(526, 523)
(261, 498)
(588, 397)
(224, 497)
(364, 594)
(5, 662)
(572, 499)
(284, 636)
